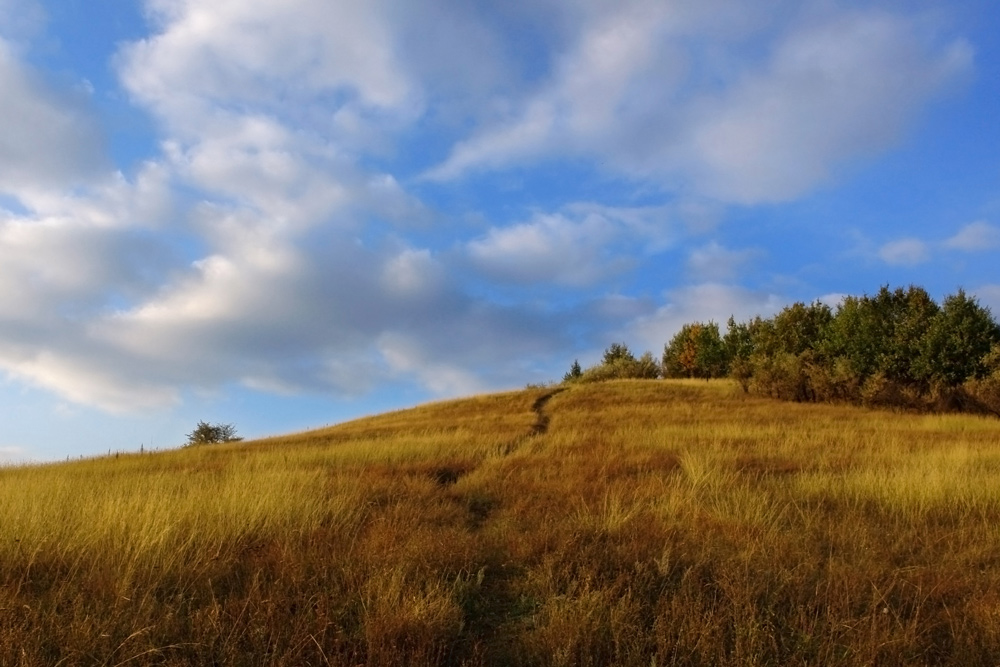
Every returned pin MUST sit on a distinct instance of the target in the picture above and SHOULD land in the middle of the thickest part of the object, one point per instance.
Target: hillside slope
(631, 523)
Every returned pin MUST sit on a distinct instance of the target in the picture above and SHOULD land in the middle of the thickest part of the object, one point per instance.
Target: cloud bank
(286, 237)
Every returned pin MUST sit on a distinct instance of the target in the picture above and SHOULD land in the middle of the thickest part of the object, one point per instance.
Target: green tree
(957, 343)
(798, 328)
(617, 352)
(207, 434)
(882, 334)
(619, 363)
(645, 367)
(739, 348)
(575, 372)
(696, 351)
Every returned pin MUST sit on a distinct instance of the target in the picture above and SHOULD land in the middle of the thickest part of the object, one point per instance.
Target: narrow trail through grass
(541, 424)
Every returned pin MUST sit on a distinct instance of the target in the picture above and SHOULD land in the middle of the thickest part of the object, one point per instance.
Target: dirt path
(541, 424)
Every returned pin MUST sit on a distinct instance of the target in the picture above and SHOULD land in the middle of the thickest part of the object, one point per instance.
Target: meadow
(618, 523)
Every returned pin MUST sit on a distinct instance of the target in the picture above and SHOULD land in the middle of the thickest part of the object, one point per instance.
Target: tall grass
(631, 523)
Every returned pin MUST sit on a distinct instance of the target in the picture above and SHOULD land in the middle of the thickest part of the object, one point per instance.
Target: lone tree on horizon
(208, 434)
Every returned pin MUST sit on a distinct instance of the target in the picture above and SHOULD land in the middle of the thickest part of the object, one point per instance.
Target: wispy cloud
(989, 296)
(975, 237)
(713, 262)
(771, 129)
(11, 454)
(904, 252)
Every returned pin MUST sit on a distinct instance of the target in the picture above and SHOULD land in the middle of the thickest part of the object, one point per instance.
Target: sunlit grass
(644, 522)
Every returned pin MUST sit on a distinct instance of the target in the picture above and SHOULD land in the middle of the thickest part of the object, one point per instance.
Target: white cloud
(830, 92)
(627, 94)
(413, 274)
(576, 246)
(405, 355)
(12, 454)
(904, 252)
(583, 101)
(47, 139)
(989, 296)
(702, 303)
(87, 376)
(833, 300)
(236, 256)
(20, 19)
(277, 56)
(254, 250)
(713, 262)
(974, 237)
(548, 249)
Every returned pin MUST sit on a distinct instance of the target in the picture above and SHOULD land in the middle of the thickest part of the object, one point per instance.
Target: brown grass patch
(649, 523)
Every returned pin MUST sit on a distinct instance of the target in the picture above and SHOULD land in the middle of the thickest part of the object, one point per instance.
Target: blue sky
(283, 214)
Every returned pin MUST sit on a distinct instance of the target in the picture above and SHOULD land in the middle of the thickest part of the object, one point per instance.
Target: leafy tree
(897, 347)
(882, 334)
(617, 352)
(619, 363)
(645, 367)
(696, 351)
(207, 434)
(799, 327)
(738, 340)
(739, 343)
(987, 389)
(957, 343)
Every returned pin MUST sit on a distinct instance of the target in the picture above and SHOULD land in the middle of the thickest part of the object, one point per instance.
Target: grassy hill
(631, 523)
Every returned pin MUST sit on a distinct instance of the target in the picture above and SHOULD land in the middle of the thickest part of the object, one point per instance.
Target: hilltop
(625, 522)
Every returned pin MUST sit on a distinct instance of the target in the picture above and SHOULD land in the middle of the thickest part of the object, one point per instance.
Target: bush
(619, 364)
(782, 376)
(209, 434)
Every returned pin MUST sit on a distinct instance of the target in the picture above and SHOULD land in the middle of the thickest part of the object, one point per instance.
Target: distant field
(623, 523)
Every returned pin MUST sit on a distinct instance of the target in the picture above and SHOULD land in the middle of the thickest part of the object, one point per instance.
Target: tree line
(896, 348)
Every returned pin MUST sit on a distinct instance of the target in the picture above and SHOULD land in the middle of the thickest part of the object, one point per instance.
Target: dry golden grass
(630, 523)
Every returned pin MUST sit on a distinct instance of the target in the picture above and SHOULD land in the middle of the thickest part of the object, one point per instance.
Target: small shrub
(209, 434)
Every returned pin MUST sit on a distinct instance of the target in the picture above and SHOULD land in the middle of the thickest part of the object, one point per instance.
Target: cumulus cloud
(576, 247)
(235, 256)
(833, 300)
(263, 53)
(405, 355)
(548, 249)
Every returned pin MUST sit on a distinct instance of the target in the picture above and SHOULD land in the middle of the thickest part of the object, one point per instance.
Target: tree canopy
(897, 347)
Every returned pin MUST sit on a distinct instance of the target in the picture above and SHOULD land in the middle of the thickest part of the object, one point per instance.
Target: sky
(283, 214)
